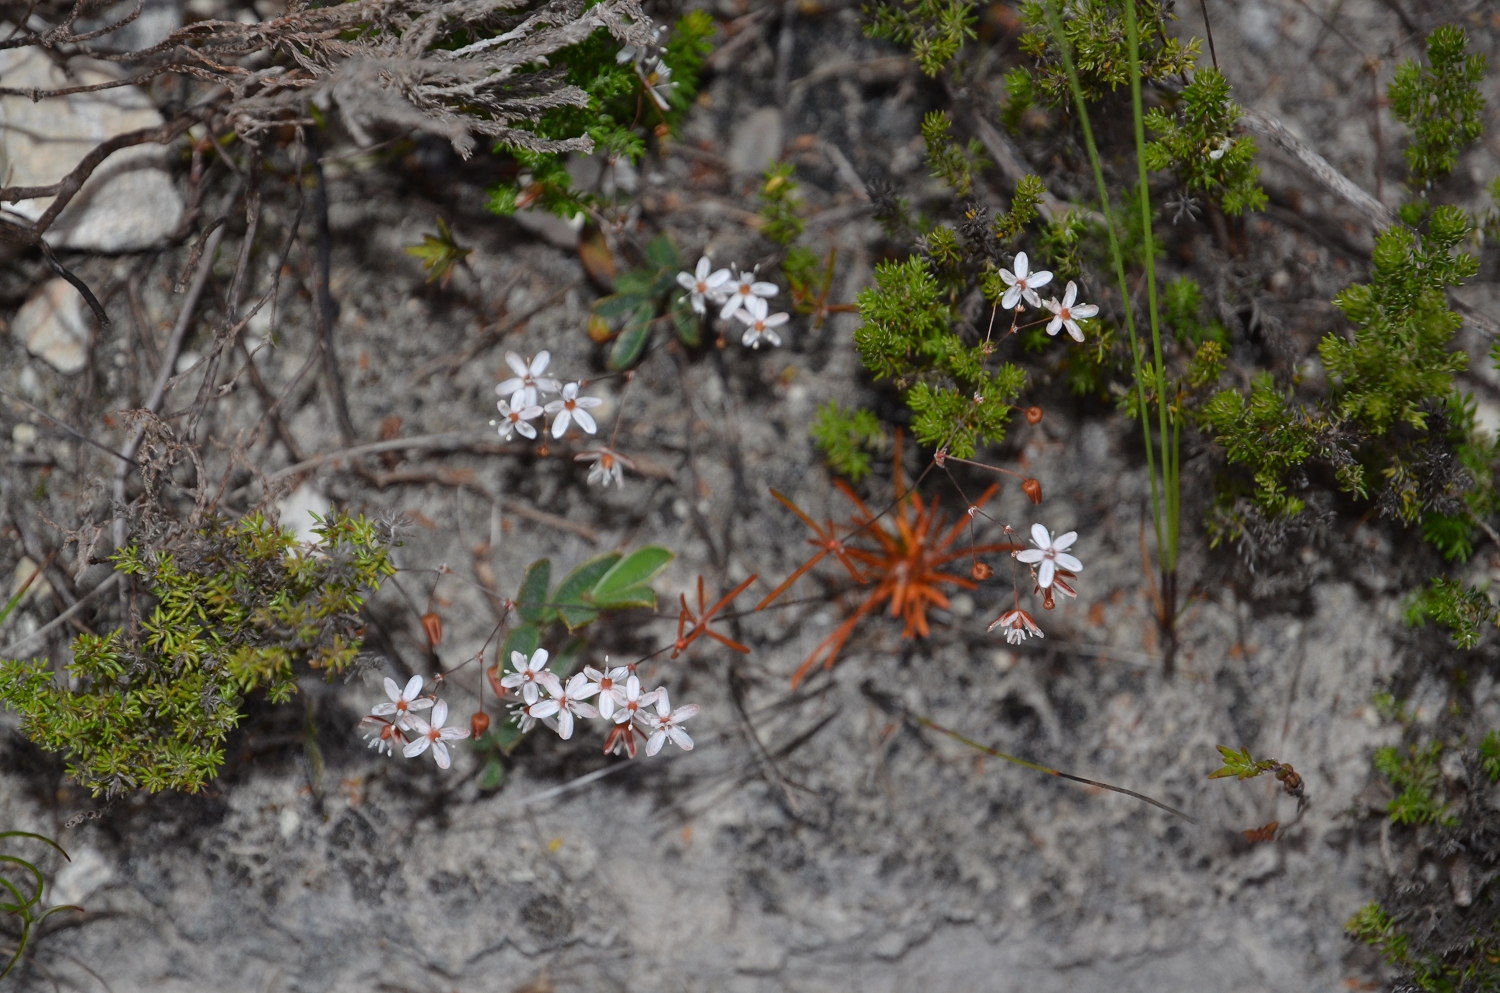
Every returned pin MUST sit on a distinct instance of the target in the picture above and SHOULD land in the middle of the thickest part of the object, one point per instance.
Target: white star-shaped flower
(741, 290)
(1067, 314)
(513, 419)
(528, 379)
(571, 701)
(402, 702)
(572, 407)
(434, 735)
(668, 724)
(1224, 145)
(633, 707)
(532, 676)
(609, 684)
(703, 286)
(754, 314)
(1018, 624)
(1051, 554)
(526, 715)
(1023, 283)
(607, 465)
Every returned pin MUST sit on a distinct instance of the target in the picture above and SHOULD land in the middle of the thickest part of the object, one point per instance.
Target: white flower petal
(1075, 331)
(560, 425)
(1031, 556)
(382, 709)
(1045, 573)
(680, 739)
(1064, 541)
(1011, 298)
(654, 743)
(1039, 279)
(585, 420)
(417, 747)
(1054, 324)
(440, 752)
(1041, 536)
(440, 713)
(1070, 294)
(1069, 562)
(517, 364)
(1021, 265)
(1085, 310)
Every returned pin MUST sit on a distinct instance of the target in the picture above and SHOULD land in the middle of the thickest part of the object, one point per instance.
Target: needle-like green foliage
(1440, 103)
(1096, 33)
(1196, 142)
(846, 438)
(240, 607)
(934, 30)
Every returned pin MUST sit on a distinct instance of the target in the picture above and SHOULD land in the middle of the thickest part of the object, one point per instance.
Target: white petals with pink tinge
(434, 735)
(522, 389)
(572, 408)
(609, 684)
(761, 324)
(703, 286)
(667, 723)
(403, 701)
(1023, 283)
(741, 290)
(531, 676)
(570, 702)
(1050, 554)
(1067, 314)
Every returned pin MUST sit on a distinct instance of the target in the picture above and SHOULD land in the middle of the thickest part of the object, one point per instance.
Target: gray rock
(756, 141)
(53, 326)
(130, 203)
(157, 19)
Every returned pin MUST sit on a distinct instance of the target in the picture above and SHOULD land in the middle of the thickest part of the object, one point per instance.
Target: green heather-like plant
(1394, 372)
(846, 438)
(241, 607)
(1197, 144)
(625, 100)
(934, 30)
(1101, 54)
(1440, 103)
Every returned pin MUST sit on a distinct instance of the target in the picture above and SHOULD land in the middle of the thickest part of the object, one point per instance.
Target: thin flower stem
(1168, 552)
(932, 725)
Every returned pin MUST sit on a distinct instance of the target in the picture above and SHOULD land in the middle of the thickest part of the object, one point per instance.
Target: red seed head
(479, 724)
(1032, 489)
(981, 571)
(1033, 415)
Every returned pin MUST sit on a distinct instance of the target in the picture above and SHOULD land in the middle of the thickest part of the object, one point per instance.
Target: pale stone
(297, 510)
(54, 326)
(39, 587)
(130, 202)
(23, 436)
(755, 142)
(81, 877)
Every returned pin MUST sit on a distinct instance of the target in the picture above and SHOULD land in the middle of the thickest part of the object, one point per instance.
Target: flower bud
(479, 724)
(1047, 600)
(1032, 489)
(1033, 415)
(981, 571)
(432, 624)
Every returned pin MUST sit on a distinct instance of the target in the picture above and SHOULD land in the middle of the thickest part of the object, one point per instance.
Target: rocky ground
(813, 840)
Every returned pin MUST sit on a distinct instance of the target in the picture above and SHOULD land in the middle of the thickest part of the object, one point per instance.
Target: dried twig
(1318, 168)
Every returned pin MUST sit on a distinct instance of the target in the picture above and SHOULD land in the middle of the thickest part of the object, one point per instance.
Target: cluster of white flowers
(737, 294)
(389, 723)
(1052, 567)
(616, 690)
(1022, 284)
(523, 393)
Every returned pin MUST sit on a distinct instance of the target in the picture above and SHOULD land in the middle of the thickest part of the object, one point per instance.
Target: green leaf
(624, 584)
(1240, 765)
(523, 639)
(618, 304)
(532, 600)
(689, 327)
(577, 585)
(632, 341)
(661, 253)
(493, 776)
